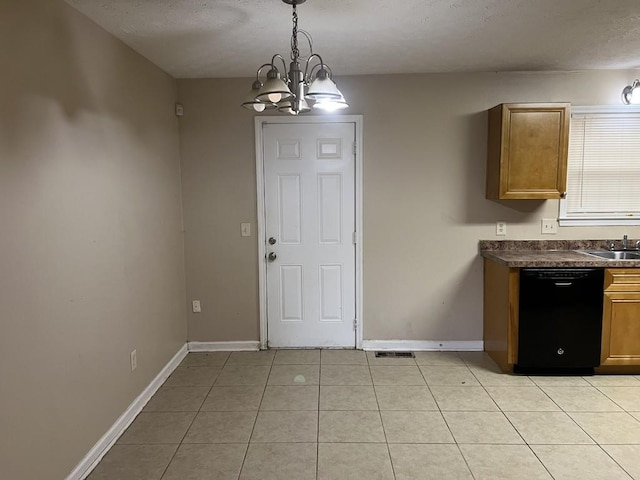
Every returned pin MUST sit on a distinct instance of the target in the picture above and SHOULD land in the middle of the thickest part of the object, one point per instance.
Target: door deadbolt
(272, 256)
(272, 241)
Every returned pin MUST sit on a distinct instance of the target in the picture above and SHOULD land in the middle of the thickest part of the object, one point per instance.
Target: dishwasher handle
(563, 284)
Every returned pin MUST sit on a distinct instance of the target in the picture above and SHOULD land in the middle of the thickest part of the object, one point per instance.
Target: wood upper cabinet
(527, 151)
(621, 318)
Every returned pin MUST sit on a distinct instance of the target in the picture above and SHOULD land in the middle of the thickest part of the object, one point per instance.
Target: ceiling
(231, 38)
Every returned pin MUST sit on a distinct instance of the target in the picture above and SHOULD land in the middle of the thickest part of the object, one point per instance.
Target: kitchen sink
(614, 255)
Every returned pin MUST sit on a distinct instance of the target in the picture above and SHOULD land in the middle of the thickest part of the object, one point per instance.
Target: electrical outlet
(134, 360)
(549, 226)
(501, 228)
(195, 306)
(245, 229)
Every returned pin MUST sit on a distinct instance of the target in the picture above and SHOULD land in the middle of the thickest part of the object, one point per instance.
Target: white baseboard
(91, 459)
(424, 345)
(248, 346)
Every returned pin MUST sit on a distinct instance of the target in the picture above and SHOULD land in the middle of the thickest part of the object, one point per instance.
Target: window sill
(597, 222)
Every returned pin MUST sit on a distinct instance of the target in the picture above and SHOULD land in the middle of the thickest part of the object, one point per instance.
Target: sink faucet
(625, 241)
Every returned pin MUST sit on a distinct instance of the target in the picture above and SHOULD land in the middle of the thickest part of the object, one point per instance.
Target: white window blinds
(603, 176)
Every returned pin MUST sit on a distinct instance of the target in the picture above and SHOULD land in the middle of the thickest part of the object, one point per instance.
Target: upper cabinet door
(527, 151)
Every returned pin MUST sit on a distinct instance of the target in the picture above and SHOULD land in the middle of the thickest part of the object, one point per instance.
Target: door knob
(272, 241)
(272, 256)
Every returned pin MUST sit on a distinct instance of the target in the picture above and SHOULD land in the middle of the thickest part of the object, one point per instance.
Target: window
(603, 172)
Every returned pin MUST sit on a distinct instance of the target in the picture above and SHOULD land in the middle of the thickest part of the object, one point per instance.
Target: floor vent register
(395, 355)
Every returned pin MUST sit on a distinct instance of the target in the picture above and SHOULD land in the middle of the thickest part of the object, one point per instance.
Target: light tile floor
(336, 414)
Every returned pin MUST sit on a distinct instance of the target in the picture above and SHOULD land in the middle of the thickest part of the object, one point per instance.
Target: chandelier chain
(295, 52)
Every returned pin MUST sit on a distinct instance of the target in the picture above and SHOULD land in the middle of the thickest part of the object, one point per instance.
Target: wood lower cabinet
(621, 318)
(620, 350)
(501, 293)
(527, 150)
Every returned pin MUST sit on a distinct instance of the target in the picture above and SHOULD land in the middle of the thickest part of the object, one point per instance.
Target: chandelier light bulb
(274, 97)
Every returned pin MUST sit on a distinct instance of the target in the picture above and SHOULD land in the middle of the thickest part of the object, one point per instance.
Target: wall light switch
(549, 226)
(245, 229)
(195, 306)
(501, 228)
(134, 360)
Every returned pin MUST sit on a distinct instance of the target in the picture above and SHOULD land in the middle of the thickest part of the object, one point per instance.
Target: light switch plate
(134, 360)
(245, 229)
(549, 226)
(501, 228)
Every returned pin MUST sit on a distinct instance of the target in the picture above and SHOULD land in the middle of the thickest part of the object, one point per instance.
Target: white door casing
(307, 181)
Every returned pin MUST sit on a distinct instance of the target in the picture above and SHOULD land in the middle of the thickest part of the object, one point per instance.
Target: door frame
(262, 270)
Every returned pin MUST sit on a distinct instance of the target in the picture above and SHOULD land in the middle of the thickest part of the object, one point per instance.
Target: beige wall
(424, 205)
(91, 251)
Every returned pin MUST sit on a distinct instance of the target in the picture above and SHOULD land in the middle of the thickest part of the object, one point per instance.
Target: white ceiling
(231, 38)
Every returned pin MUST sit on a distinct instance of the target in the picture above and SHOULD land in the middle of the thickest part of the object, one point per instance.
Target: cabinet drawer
(622, 279)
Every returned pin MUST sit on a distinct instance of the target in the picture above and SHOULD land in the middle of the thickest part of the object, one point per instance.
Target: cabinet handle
(563, 194)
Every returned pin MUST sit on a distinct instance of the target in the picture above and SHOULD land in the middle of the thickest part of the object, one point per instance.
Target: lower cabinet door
(621, 329)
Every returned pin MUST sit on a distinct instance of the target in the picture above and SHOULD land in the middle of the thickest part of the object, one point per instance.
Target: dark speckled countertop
(551, 253)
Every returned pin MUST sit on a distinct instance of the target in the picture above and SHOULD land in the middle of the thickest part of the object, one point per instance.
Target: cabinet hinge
(354, 149)
(354, 238)
(355, 324)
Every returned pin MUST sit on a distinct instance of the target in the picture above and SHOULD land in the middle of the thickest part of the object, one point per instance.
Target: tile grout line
(568, 414)
(447, 424)
(384, 431)
(614, 460)
(246, 453)
(597, 443)
(246, 450)
(518, 432)
(164, 472)
(612, 400)
(510, 423)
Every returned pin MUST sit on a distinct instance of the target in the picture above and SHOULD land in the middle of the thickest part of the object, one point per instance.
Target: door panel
(291, 301)
(330, 293)
(309, 175)
(329, 208)
(289, 209)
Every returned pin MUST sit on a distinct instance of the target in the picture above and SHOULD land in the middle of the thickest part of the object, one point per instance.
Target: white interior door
(309, 187)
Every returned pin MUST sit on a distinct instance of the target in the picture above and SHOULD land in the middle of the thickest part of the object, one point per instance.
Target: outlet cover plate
(196, 307)
(549, 226)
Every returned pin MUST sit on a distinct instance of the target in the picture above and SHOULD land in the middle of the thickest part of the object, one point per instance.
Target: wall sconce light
(631, 93)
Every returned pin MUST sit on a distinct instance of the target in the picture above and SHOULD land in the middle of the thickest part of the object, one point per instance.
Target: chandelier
(291, 91)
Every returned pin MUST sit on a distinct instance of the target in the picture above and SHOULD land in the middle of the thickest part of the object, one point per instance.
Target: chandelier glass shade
(631, 93)
(308, 80)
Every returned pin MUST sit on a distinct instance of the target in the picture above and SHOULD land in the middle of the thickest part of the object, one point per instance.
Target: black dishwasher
(560, 320)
